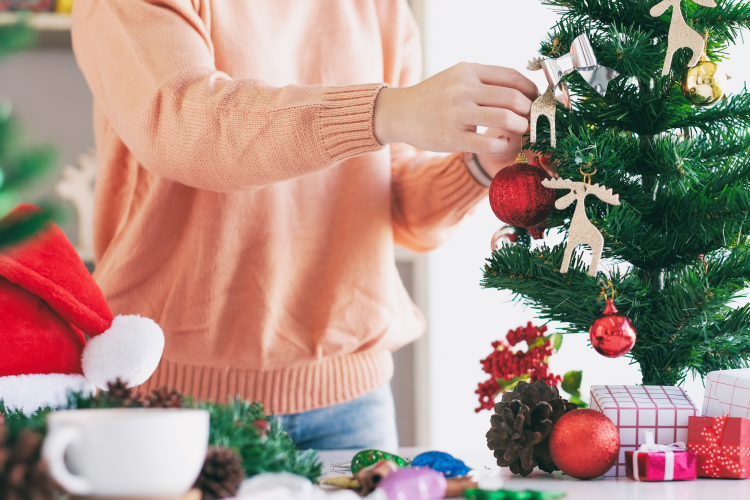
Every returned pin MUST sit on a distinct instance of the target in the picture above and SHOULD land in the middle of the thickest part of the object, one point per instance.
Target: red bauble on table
(584, 444)
(517, 196)
(612, 335)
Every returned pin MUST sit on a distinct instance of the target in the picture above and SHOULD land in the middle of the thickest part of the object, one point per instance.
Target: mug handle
(53, 450)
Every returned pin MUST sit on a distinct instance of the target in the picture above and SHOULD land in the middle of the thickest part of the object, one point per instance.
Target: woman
(258, 163)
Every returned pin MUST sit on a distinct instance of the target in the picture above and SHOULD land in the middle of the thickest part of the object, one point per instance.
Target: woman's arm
(150, 65)
(431, 194)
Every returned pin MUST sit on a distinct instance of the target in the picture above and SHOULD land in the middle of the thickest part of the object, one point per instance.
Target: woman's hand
(443, 112)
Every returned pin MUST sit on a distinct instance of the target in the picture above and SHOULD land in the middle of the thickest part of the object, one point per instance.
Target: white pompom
(130, 350)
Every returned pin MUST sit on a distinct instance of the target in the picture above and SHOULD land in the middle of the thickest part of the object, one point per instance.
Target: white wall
(464, 318)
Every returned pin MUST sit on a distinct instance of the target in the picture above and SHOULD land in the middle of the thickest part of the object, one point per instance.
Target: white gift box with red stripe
(635, 409)
(727, 393)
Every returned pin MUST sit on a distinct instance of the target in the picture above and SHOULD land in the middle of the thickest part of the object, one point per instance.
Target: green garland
(263, 447)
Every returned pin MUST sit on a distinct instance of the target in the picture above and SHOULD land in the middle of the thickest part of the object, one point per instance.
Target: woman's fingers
(472, 142)
(496, 118)
(508, 78)
(503, 97)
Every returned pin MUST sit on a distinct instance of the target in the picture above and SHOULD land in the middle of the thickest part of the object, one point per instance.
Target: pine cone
(221, 475)
(163, 398)
(23, 476)
(522, 424)
(120, 395)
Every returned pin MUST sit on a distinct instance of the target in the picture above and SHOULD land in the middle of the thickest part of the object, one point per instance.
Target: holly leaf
(556, 339)
(571, 384)
(509, 385)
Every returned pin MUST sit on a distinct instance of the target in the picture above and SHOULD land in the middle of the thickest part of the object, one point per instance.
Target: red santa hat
(48, 300)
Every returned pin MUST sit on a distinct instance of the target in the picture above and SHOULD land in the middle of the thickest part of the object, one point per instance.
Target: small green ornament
(478, 494)
(366, 458)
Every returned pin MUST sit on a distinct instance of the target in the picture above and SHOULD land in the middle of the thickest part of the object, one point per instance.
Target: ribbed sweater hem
(345, 122)
(294, 389)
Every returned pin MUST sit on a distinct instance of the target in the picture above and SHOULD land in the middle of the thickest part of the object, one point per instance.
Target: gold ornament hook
(587, 176)
(609, 287)
(555, 46)
(704, 55)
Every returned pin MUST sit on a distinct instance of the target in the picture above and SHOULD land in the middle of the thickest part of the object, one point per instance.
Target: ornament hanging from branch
(703, 84)
(582, 231)
(510, 236)
(613, 335)
(581, 58)
(680, 34)
(517, 196)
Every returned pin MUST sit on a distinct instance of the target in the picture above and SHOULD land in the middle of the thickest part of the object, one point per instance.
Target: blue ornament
(441, 462)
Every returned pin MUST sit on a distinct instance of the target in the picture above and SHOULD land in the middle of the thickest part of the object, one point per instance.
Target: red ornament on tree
(517, 196)
(613, 334)
(584, 444)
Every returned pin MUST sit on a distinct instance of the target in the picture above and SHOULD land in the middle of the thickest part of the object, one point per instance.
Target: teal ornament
(441, 462)
(366, 458)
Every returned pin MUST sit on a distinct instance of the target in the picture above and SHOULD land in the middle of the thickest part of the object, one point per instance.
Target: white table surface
(597, 489)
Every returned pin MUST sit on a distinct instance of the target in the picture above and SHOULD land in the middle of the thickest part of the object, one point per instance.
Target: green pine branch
(682, 174)
(15, 37)
(20, 166)
(725, 21)
(731, 113)
(232, 425)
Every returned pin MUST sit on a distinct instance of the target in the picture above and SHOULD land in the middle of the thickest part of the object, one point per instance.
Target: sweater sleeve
(150, 65)
(430, 194)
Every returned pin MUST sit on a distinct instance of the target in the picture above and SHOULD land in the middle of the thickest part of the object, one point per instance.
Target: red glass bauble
(584, 444)
(517, 196)
(612, 335)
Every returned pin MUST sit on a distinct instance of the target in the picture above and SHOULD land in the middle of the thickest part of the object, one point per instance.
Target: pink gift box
(637, 409)
(652, 466)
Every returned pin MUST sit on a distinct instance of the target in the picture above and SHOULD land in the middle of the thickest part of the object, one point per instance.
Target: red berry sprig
(506, 367)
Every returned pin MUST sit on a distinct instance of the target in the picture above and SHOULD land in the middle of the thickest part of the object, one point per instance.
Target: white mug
(146, 452)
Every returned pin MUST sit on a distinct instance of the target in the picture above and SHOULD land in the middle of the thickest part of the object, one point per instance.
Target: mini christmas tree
(19, 166)
(682, 172)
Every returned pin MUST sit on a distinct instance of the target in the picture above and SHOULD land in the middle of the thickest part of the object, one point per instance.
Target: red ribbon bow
(719, 454)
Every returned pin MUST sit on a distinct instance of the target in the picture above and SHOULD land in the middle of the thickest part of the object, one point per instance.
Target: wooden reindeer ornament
(545, 105)
(680, 34)
(582, 231)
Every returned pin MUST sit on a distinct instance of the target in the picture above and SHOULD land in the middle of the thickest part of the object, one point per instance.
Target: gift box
(659, 462)
(727, 393)
(636, 409)
(722, 446)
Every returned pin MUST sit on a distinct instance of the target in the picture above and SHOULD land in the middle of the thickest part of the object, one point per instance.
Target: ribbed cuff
(456, 186)
(346, 121)
(285, 390)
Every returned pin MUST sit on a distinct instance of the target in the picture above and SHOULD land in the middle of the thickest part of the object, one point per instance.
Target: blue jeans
(363, 423)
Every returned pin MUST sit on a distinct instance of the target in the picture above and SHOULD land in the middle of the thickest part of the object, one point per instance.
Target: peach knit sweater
(243, 201)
